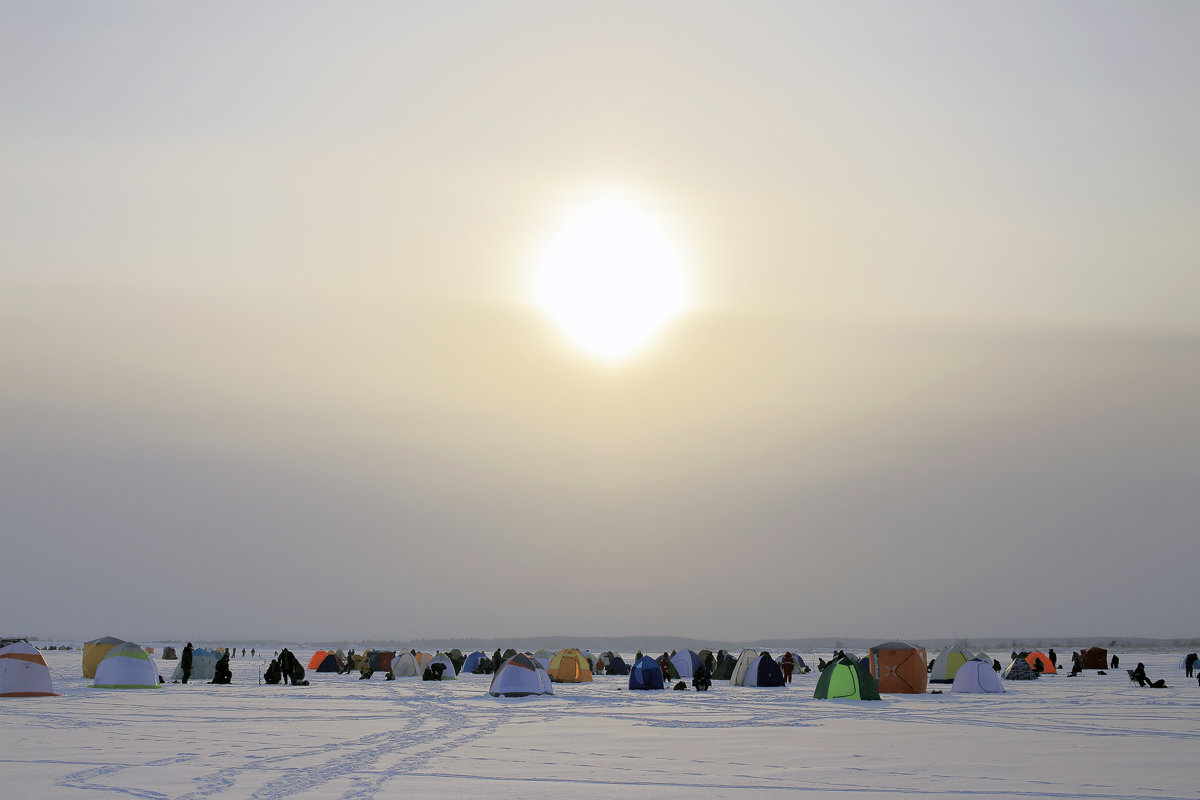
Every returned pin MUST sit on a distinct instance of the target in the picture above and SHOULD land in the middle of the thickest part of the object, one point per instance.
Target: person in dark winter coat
(1189, 663)
(273, 673)
(701, 678)
(1116, 662)
(1138, 674)
(222, 673)
(664, 663)
(1053, 657)
(185, 662)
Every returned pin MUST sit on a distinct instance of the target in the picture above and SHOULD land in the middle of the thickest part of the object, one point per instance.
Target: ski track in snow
(365, 741)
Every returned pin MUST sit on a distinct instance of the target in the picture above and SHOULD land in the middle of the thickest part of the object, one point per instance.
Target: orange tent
(317, 658)
(899, 667)
(1047, 667)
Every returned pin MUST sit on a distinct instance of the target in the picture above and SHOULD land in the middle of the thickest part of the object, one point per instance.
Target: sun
(610, 276)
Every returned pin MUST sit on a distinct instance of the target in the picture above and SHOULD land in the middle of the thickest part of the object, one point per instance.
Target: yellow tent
(94, 651)
(570, 666)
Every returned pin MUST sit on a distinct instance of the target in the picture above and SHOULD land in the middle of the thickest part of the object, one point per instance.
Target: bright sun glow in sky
(610, 277)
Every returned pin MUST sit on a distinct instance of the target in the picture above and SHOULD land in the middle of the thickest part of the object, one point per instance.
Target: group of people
(221, 672)
(285, 667)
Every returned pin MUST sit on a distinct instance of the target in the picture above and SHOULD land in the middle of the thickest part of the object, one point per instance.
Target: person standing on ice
(1115, 662)
(1053, 658)
(185, 662)
(1189, 663)
(787, 664)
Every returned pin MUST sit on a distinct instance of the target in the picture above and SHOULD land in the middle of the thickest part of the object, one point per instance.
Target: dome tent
(316, 659)
(520, 676)
(685, 662)
(94, 651)
(845, 678)
(1019, 670)
(616, 666)
(330, 663)
(448, 671)
(762, 671)
(947, 663)
(204, 665)
(126, 666)
(738, 676)
(646, 674)
(899, 668)
(569, 666)
(471, 663)
(543, 657)
(404, 665)
(977, 675)
(1047, 665)
(23, 672)
(169, 654)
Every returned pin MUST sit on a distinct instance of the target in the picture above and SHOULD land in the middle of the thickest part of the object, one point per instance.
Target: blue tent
(646, 674)
(472, 662)
(329, 664)
(616, 666)
(768, 672)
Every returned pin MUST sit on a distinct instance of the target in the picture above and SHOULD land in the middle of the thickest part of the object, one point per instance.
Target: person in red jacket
(787, 664)
(664, 663)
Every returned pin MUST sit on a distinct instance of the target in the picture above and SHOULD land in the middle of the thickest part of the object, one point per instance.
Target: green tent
(846, 679)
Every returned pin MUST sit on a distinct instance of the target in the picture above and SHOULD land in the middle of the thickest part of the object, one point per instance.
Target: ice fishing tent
(1019, 670)
(329, 663)
(738, 676)
(520, 676)
(169, 653)
(423, 660)
(616, 666)
(23, 672)
(380, 660)
(724, 668)
(94, 651)
(569, 666)
(761, 671)
(845, 678)
(685, 662)
(448, 671)
(1093, 658)
(204, 665)
(1047, 664)
(471, 663)
(947, 663)
(646, 674)
(898, 667)
(404, 665)
(543, 657)
(126, 666)
(316, 659)
(977, 675)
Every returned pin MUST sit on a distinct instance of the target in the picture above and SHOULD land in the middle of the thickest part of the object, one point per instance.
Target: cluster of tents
(892, 667)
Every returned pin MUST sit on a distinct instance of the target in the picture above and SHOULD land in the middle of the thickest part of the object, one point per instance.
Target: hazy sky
(269, 365)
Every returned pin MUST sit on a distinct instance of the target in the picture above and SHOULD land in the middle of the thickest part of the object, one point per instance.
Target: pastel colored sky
(269, 364)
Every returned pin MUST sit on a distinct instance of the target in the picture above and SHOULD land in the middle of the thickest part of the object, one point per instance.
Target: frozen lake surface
(1093, 736)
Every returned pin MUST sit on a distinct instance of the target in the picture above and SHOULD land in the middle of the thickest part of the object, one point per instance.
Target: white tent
(947, 663)
(404, 665)
(520, 676)
(683, 662)
(977, 675)
(204, 665)
(23, 672)
(448, 671)
(738, 678)
(770, 673)
(126, 666)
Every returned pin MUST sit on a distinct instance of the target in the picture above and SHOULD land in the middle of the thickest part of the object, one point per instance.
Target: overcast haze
(270, 367)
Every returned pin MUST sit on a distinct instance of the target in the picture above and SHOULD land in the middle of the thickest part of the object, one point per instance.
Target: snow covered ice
(1093, 736)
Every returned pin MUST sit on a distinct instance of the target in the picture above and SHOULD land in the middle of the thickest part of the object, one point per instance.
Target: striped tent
(126, 666)
(23, 672)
